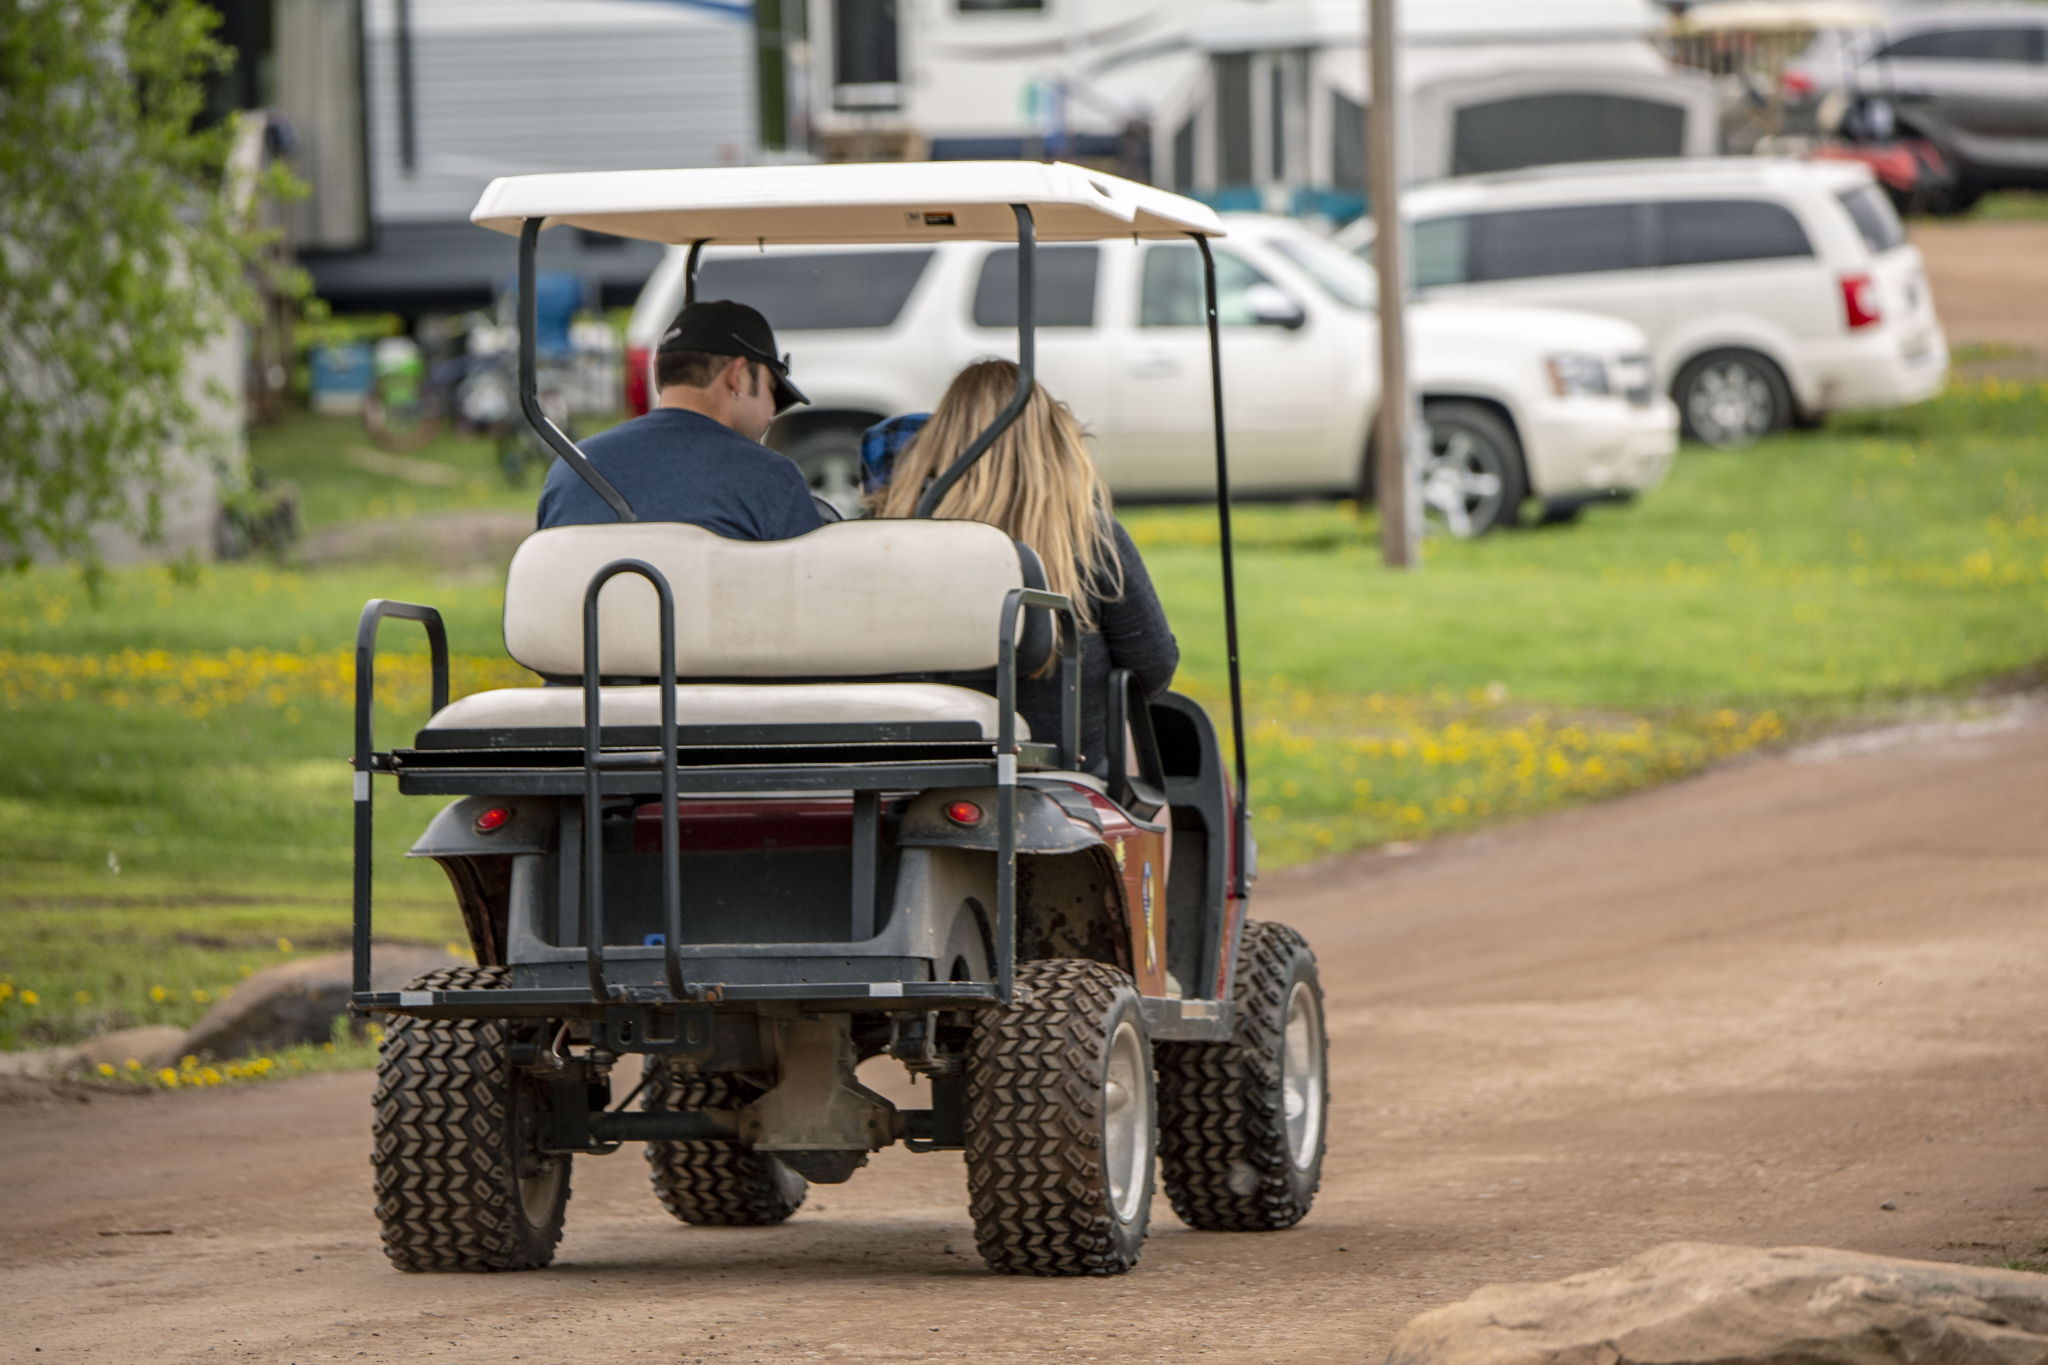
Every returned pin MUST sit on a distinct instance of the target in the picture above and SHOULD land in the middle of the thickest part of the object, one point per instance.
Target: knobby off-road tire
(460, 1183)
(715, 1184)
(1061, 1123)
(1228, 1154)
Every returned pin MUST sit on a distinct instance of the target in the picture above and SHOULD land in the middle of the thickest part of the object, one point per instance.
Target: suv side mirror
(1270, 307)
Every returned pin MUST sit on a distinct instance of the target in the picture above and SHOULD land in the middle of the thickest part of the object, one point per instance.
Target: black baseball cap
(722, 327)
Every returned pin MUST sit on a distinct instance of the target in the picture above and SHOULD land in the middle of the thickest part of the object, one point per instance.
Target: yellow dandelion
(167, 1078)
(202, 997)
(159, 994)
(133, 1064)
(107, 1069)
(6, 991)
(284, 945)
(188, 1062)
(31, 998)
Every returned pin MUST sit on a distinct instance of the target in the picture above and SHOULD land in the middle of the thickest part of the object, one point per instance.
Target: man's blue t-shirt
(676, 465)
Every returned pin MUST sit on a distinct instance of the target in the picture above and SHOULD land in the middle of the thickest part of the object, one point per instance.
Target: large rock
(1693, 1303)
(298, 1002)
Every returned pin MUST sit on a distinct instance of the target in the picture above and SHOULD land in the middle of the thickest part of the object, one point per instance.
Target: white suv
(1520, 402)
(1772, 291)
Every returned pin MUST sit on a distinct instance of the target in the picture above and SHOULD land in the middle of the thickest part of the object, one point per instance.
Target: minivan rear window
(817, 291)
(1710, 231)
(1874, 217)
(1062, 292)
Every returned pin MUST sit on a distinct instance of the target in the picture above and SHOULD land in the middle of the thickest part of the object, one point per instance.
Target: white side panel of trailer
(568, 85)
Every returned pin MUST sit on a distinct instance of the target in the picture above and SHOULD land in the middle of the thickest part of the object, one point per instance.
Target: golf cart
(775, 815)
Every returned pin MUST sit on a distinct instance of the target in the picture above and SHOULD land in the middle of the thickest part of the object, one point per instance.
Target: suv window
(1440, 248)
(1874, 217)
(1170, 293)
(1062, 294)
(2008, 44)
(1574, 239)
(817, 292)
(1706, 231)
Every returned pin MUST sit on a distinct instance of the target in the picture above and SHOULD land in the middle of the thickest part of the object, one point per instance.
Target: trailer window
(1062, 294)
(1708, 231)
(818, 291)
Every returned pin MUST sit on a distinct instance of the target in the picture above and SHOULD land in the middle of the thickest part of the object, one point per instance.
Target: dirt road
(1989, 279)
(1797, 1000)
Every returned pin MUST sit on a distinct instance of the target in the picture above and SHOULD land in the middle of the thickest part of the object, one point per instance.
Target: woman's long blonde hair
(1037, 482)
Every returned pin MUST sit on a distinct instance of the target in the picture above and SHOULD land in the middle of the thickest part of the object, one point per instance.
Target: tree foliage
(120, 257)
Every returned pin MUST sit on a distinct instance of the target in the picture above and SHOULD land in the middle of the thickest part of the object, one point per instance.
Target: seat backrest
(850, 600)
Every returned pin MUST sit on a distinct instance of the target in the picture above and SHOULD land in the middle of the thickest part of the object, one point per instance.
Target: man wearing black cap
(697, 457)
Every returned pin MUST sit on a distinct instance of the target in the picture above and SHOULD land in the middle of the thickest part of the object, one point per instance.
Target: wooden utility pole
(1394, 473)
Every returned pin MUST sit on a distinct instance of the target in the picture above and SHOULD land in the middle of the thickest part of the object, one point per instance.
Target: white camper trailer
(405, 109)
(1256, 103)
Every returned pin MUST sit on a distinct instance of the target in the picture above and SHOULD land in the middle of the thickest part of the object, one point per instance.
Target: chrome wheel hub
(1730, 404)
(1126, 1127)
(1461, 481)
(1301, 1075)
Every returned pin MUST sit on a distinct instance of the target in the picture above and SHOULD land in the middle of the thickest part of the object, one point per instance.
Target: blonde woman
(1040, 485)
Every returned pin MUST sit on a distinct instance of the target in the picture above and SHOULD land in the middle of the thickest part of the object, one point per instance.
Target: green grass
(2012, 205)
(177, 783)
(341, 475)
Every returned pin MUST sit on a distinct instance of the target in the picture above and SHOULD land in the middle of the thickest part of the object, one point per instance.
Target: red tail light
(1796, 83)
(1859, 301)
(639, 383)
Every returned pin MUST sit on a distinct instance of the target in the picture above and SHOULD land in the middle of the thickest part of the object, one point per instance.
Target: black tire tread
(445, 1199)
(1034, 1125)
(715, 1184)
(1222, 1123)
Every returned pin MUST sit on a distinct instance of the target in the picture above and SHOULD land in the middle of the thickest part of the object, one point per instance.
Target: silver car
(1972, 79)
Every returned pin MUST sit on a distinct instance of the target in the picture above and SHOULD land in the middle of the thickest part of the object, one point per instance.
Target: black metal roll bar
(1027, 366)
(529, 381)
(1240, 876)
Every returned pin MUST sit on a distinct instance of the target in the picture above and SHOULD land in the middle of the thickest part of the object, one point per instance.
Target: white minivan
(1521, 403)
(1772, 291)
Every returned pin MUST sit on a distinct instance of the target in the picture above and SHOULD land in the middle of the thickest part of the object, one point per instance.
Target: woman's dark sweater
(1131, 632)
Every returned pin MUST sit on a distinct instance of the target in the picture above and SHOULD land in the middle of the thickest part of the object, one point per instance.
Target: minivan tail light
(639, 397)
(1859, 301)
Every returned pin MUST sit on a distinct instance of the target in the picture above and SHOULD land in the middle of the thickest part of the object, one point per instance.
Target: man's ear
(729, 378)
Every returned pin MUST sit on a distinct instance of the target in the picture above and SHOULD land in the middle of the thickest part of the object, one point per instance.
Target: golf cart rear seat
(831, 642)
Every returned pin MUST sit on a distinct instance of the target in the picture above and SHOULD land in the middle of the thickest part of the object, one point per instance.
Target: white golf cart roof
(929, 201)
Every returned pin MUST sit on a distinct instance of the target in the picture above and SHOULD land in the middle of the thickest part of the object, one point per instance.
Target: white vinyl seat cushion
(554, 708)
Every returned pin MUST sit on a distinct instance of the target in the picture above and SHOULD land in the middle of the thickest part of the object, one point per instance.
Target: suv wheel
(1062, 1124)
(1472, 479)
(1731, 398)
(461, 1181)
(719, 1183)
(830, 460)
(1242, 1124)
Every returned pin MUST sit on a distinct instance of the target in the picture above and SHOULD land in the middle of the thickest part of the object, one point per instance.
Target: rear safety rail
(367, 760)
